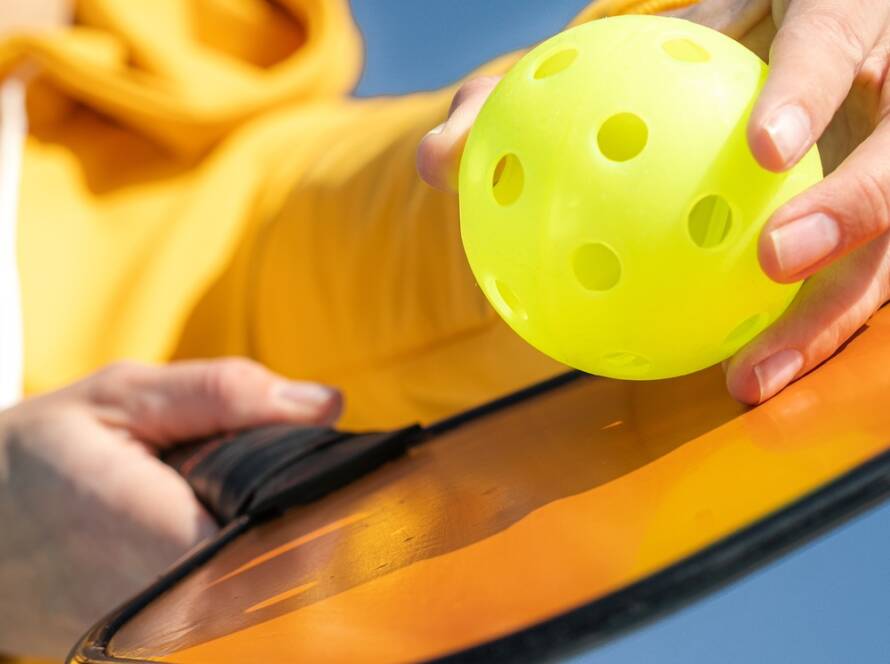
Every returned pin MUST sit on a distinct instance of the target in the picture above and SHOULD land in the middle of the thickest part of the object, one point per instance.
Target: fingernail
(305, 394)
(804, 242)
(790, 132)
(776, 371)
(438, 129)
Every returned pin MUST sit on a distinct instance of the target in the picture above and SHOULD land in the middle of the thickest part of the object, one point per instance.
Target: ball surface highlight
(610, 205)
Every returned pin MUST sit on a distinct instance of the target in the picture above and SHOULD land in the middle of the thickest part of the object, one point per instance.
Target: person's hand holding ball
(833, 234)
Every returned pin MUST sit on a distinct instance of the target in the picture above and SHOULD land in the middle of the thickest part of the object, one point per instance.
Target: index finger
(815, 58)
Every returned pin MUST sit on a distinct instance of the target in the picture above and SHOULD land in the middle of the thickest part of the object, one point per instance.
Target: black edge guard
(93, 646)
(681, 583)
(586, 625)
(605, 617)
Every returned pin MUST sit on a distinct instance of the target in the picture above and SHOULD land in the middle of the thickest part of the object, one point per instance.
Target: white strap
(13, 130)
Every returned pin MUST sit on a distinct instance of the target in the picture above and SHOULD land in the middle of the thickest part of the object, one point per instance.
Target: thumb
(439, 153)
(184, 400)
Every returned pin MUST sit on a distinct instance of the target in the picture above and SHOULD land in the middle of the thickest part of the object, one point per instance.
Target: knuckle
(834, 27)
(872, 77)
(473, 87)
(113, 379)
(873, 194)
(225, 379)
(119, 370)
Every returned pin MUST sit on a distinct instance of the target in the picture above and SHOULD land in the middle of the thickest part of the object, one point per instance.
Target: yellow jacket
(199, 183)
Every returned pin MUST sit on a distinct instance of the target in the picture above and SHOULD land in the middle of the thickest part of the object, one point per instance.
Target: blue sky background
(827, 603)
(423, 44)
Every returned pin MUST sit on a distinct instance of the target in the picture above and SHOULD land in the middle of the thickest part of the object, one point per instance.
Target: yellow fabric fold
(197, 182)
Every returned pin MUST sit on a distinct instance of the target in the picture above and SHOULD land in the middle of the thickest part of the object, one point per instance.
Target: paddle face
(521, 515)
(610, 205)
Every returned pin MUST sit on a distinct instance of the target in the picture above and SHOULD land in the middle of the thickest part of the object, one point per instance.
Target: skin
(79, 466)
(829, 62)
(90, 514)
(30, 15)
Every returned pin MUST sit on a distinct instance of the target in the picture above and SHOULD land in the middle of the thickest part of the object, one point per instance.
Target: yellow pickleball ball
(610, 205)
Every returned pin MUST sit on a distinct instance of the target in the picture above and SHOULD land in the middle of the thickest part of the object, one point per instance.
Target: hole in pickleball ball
(506, 301)
(622, 137)
(556, 63)
(629, 362)
(507, 179)
(710, 221)
(686, 50)
(597, 267)
(745, 331)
